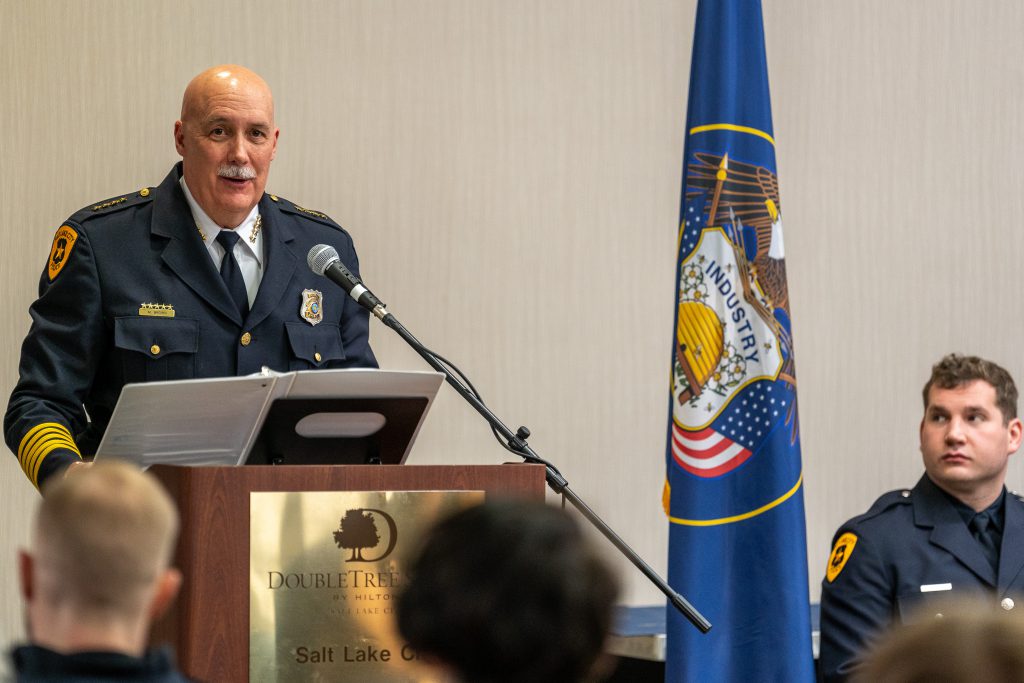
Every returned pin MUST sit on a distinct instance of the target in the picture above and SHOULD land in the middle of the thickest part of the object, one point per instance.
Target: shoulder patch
(60, 252)
(840, 554)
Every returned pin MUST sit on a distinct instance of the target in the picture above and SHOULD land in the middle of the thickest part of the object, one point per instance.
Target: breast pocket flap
(316, 345)
(156, 337)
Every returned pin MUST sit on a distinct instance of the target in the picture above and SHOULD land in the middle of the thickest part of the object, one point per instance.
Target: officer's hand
(70, 469)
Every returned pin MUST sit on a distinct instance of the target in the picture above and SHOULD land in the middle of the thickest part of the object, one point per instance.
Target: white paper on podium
(215, 421)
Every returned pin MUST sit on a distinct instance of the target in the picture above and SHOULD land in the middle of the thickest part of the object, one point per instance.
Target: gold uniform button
(1007, 604)
(246, 339)
(144, 192)
(317, 356)
(274, 197)
(155, 350)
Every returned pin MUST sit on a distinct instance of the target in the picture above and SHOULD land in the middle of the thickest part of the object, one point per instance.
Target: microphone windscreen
(321, 256)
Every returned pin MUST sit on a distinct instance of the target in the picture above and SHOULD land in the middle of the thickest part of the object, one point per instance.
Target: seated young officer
(957, 533)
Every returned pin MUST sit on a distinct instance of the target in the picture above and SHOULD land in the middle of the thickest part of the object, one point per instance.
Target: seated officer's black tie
(231, 273)
(983, 529)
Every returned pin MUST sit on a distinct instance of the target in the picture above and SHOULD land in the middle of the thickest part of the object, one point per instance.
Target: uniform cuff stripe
(40, 430)
(43, 437)
(39, 442)
(33, 471)
(45, 445)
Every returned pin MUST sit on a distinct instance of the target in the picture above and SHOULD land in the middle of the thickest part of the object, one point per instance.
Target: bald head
(102, 539)
(225, 79)
(226, 138)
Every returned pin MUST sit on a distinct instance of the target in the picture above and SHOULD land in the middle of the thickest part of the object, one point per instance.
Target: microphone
(323, 260)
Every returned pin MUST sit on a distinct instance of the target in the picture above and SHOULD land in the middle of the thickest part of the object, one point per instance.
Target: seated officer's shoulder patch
(840, 554)
(60, 252)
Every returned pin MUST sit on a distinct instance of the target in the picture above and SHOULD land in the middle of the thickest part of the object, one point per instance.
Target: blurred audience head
(98, 568)
(954, 642)
(509, 591)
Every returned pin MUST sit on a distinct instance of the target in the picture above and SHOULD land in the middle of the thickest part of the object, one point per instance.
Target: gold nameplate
(157, 310)
(324, 570)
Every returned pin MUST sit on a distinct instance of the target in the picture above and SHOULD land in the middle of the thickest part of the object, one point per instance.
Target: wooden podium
(208, 625)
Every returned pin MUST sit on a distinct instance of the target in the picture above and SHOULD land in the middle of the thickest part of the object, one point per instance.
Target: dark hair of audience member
(509, 592)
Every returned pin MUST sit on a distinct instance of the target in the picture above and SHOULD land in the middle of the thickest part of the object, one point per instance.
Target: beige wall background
(510, 172)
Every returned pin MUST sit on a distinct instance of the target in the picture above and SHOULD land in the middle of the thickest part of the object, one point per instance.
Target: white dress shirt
(248, 250)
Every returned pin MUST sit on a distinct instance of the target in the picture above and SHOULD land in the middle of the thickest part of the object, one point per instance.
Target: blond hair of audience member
(969, 642)
(98, 571)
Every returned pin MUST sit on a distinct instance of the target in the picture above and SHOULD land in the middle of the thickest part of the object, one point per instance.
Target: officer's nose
(238, 152)
(955, 431)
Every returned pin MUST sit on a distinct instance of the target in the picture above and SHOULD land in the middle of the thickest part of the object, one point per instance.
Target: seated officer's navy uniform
(131, 295)
(909, 548)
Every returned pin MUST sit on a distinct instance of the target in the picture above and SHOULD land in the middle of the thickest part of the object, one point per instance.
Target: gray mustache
(240, 172)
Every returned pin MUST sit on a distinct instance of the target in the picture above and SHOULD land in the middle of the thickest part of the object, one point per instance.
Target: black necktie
(981, 528)
(230, 271)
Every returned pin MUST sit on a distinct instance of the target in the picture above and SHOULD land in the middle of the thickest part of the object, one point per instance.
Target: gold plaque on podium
(324, 570)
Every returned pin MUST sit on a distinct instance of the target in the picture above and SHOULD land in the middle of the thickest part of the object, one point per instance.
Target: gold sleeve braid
(39, 442)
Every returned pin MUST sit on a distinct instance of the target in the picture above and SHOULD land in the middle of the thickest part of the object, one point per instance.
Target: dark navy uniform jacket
(103, 319)
(911, 547)
(36, 664)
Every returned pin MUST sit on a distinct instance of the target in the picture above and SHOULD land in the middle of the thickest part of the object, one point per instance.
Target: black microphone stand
(517, 443)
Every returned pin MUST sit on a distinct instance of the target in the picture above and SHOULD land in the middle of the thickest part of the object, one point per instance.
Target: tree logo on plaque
(358, 531)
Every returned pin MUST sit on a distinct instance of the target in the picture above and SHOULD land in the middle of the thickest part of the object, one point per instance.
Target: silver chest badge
(312, 310)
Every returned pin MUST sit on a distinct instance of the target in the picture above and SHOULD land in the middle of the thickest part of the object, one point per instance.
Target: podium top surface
(215, 421)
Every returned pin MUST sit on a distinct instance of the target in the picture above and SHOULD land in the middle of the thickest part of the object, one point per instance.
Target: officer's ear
(1016, 432)
(179, 137)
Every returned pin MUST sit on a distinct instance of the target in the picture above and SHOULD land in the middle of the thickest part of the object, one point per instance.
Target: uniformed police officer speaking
(956, 533)
(202, 276)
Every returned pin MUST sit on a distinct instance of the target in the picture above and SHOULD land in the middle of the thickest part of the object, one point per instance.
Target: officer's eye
(217, 132)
